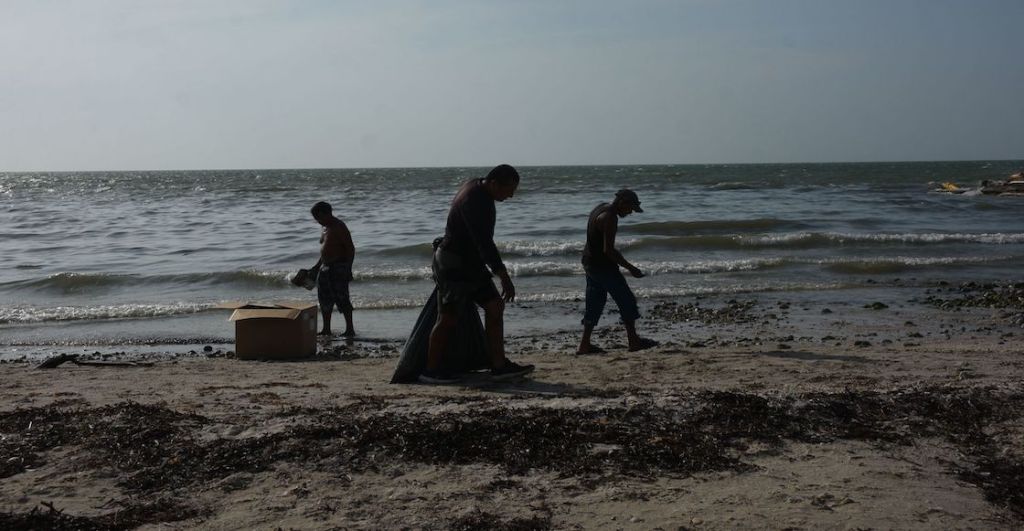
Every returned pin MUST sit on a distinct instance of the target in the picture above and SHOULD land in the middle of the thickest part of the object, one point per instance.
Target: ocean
(140, 259)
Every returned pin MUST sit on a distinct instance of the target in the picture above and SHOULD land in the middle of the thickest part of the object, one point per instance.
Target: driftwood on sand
(61, 359)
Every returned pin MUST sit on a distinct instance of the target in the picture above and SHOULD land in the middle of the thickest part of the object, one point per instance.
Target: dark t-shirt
(594, 257)
(469, 232)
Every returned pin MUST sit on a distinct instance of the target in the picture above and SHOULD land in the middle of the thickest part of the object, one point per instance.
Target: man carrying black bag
(460, 266)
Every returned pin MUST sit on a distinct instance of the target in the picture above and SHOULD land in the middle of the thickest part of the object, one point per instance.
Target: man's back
(337, 244)
(469, 232)
(594, 253)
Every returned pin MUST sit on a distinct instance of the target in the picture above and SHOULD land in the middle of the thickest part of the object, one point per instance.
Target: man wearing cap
(601, 261)
(460, 267)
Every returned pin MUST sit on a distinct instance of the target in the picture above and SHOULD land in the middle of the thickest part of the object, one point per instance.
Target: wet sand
(891, 408)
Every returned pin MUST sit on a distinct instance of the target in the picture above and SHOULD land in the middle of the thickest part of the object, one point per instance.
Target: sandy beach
(816, 207)
(894, 408)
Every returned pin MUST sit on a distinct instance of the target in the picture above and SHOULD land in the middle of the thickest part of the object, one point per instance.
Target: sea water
(107, 258)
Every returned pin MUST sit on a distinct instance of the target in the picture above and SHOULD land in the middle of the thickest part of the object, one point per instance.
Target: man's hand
(508, 290)
(635, 271)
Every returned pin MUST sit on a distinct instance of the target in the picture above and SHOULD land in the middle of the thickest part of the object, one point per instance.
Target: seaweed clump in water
(732, 313)
(971, 294)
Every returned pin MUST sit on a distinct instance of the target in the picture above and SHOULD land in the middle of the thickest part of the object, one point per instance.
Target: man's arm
(610, 225)
(480, 222)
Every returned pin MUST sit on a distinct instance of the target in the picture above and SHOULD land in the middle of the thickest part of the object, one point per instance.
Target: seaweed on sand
(129, 517)
(157, 452)
(127, 433)
(484, 520)
(971, 294)
(733, 312)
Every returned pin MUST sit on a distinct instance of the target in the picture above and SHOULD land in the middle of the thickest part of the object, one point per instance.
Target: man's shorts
(332, 287)
(456, 286)
(604, 282)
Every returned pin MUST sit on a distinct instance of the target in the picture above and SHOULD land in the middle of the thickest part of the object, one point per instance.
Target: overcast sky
(136, 84)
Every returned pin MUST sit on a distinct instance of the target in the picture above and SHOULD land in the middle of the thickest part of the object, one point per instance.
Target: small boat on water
(950, 188)
(1012, 186)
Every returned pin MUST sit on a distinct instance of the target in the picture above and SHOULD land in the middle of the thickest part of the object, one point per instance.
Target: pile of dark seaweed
(128, 517)
(158, 456)
(733, 312)
(974, 295)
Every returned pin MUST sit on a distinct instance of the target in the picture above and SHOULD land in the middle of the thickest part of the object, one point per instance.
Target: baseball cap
(630, 197)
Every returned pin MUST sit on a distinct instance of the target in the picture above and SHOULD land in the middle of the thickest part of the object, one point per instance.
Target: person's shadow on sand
(523, 386)
(809, 356)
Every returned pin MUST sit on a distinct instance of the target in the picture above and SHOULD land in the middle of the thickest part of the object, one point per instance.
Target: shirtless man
(601, 261)
(336, 254)
(460, 267)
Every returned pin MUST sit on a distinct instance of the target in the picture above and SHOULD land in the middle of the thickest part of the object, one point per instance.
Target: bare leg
(350, 330)
(631, 337)
(596, 298)
(585, 346)
(494, 324)
(439, 339)
(326, 314)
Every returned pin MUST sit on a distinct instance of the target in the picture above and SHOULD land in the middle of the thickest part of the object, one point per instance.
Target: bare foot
(349, 333)
(589, 349)
(324, 333)
(643, 344)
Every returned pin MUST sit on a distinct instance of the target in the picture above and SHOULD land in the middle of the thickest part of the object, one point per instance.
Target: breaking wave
(901, 263)
(82, 282)
(678, 235)
(682, 291)
(86, 283)
(508, 248)
(113, 311)
(670, 228)
(811, 240)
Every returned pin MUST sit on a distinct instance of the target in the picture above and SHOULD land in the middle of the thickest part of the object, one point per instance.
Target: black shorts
(457, 286)
(332, 287)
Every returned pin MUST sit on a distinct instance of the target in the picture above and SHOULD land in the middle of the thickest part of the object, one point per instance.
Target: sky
(217, 84)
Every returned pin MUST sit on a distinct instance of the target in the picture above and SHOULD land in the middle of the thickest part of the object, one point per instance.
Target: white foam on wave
(540, 247)
(551, 247)
(710, 266)
(18, 315)
(527, 269)
(550, 268)
(913, 260)
(392, 273)
(893, 264)
(997, 238)
(682, 291)
(543, 269)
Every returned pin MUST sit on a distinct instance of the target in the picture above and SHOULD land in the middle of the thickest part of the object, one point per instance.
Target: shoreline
(175, 336)
(750, 414)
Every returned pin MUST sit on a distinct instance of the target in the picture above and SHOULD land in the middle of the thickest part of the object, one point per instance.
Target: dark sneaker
(510, 370)
(438, 377)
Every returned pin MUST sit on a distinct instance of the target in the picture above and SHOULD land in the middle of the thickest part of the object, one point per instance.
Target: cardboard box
(276, 331)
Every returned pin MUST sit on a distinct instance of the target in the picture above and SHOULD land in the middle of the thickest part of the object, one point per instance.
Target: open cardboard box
(273, 331)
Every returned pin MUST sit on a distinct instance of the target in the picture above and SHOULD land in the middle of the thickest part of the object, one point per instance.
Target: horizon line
(609, 165)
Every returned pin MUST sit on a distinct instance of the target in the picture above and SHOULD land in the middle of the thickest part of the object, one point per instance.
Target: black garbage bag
(467, 346)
